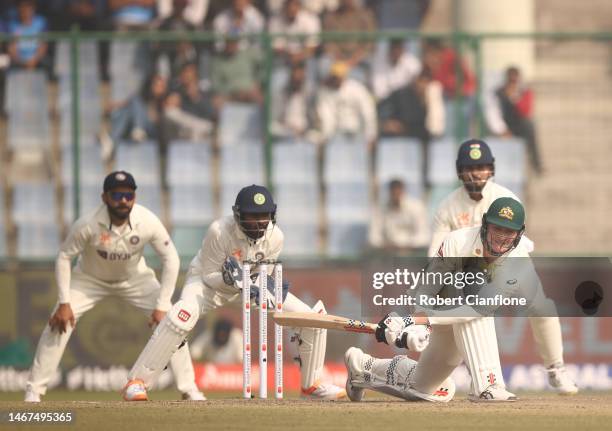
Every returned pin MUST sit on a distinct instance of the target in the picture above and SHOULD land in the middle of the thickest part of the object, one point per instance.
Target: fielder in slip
(454, 339)
(464, 208)
(214, 280)
(109, 244)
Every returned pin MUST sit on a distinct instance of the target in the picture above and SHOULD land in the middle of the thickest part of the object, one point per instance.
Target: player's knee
(184, 315)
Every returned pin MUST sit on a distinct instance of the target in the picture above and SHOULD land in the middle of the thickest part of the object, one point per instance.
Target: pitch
(101, 411)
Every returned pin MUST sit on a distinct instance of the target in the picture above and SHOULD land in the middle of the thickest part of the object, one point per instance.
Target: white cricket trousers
(142, 291)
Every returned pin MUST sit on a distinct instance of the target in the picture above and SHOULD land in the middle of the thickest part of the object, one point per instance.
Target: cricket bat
(324, 321)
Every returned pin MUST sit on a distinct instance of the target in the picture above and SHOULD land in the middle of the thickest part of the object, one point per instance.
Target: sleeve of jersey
(212, 256)
(165, 249)
(439, 231)
(73, 246)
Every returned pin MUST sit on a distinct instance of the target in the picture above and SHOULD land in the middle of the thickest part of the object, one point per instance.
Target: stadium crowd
(321, 89)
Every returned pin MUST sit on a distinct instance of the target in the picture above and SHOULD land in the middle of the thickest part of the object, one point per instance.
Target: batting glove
(391, 327)
(414, 338)
(255, 291)
(231, 272)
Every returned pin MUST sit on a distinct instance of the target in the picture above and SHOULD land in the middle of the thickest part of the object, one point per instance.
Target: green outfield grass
(103, 411)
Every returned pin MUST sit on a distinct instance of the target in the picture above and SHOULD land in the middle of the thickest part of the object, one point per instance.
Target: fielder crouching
(109, 243)
(214, 280)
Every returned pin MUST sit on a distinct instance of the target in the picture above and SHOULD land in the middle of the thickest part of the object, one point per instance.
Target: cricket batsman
(465, 207)
(465, 335)
(109, 243)
(214, 280)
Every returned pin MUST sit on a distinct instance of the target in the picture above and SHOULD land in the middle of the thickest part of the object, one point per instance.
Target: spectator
(189, 111)
(240, 19)
(222, 346)
(235, 73)
(138, 118)
(192, 11)
(132, 14)
(27, 53)
(511, 115)
(397, 69)
(5, 62)
(442, 62)
(399, 14)
(316, 7)
(295, 20)
(291, 111)
(401, 225)
(415, 110)
(349, 17)
(345, 106)
(172, 56)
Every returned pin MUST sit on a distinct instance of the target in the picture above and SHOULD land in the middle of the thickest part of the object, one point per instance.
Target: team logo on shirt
(237, 254)
(506, 212)
(105, 238)
(259, 199)
(134, 240)
(463, 219)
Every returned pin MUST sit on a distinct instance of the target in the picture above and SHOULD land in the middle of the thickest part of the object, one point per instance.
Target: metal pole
(75, 116)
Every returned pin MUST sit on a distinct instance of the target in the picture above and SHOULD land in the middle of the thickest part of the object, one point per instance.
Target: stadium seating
(141, 160)
(126, 69)
(441, 163)
(510, 162)
(190, 183)
(296, 190)
(400, 158)
(90, 105)
(28, 108)
(3, 250)
(239, 166)
(34, 216)
(347, 205)
(240, 124)
(92, 175)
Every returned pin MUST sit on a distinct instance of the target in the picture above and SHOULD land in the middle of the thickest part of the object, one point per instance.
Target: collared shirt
(304, 23)
(223, 239)
(458, 210)
(226, 22)
(403, 227)
(114, 254)
(349, 109)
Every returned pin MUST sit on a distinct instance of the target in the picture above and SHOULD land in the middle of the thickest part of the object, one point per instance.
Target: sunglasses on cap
(117, 196)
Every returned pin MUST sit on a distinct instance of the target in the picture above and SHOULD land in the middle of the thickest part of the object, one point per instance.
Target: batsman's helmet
(504, 212)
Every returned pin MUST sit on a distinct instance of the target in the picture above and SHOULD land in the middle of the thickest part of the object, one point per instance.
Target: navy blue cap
(119, 179)
(254, 199)
(474, 152)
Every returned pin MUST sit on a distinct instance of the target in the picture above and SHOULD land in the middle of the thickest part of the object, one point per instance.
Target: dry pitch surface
(539, 411)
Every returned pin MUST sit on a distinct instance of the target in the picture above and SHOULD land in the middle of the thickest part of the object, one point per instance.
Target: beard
(120, 212)
(473, 187)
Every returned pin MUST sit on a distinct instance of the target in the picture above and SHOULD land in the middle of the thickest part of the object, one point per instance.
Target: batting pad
(166, 339)
(311, 348)
(477, 341)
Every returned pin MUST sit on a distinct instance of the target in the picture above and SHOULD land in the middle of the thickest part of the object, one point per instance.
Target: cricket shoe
(353, 358)
(323, 392)
(560, 380)
(493, 394)
(193, 395)
(135, 390)
(31, 397)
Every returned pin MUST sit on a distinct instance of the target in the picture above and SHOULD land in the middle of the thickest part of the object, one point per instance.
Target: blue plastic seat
(400, 158)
